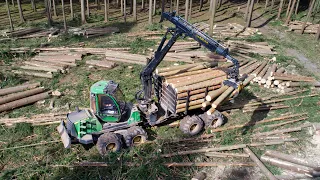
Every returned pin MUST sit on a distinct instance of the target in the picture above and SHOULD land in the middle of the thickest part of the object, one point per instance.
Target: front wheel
(214, 120)
(191, 125)
(108, 142)
(135, 136)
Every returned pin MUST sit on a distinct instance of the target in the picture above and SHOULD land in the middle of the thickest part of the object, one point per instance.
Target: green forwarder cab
(109, 122)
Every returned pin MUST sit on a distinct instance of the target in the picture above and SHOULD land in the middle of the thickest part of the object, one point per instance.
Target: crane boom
(183, 28)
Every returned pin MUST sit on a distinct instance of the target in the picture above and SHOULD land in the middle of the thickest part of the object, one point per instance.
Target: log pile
(100, 31)
(296, 26)
(36, 120)
(243, 47)
(21, 32)
(46, 64)
(18, 96)
(227, 30)
(101, 63)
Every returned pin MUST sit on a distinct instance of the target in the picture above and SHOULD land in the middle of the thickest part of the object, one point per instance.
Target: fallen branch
(206, 164)
(282, 131)
(30, 145)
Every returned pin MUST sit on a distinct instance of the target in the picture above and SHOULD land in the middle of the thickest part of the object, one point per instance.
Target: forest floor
(54, 162)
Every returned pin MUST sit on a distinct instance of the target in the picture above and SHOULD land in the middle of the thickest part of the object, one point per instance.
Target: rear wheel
(214, 120)
(135, 136)
(108, 142)
(191, 125)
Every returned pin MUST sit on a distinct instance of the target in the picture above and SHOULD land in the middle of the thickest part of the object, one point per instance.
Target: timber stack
(36, 120)
(100, 31)
(228, 30)
(296, 26)
(18, 96)
(243, 47)
(31, 33)
(45, 64)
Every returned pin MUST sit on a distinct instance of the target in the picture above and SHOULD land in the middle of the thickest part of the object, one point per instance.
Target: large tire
(135, 136)
(191, 125)
(214, 120)
(109, 142)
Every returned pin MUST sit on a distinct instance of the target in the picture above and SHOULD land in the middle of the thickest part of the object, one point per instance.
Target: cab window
(107, 105)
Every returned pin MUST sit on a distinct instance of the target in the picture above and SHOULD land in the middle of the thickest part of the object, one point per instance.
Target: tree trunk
(219, 4)
(250, 13)
(88, 8)
(98, 5)
(272, 5)
(125, 10)
(131, 7)
(9, 16)
(106, 10)
(64, 16)
(190, 11)
(177, 7)
(201, 5)
(163, 6)
(33, 5)
(12, 2)
(308, 16)
(20, 12)
(247, 11)
(186, 10)
(142, 4)
(54, 8)
(297, 7)
(71, 9)
(121, 6)
(318, 33)
(280, 9)
(83, 15)
(212, 15)
(266, 5)
(290, 13)
(135, 10)
(154, 7)
(288, 8)
(171, 6)
(48, 11)
(150, 12)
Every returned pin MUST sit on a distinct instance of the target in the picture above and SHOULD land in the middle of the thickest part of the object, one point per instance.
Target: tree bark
(212, 15)
(135, 10)
(177, 7)
(219, 4)
(186, 10)
(250, 13)
(98, 5)
(121, 6)
(83, 15)
(247, 11)
(190, 11)
(318, 33)
(9, 16)
(71, 10)
(163, 6)
(288, 8)
(125, 10)
(19, 88)
(106, 10)
(297, 7)
(88, 8)
(142, 4)
(201, 5)
(272, 5)
(20, 11)
(48, 11)
(308, 16)
(154, 7)
(131, 7)
(150, 12)
(280, 9)
(171, 5)
(33, 5)
(12, 2)
(266, 5)
(64, 16)
(290, 13)
(54, 8)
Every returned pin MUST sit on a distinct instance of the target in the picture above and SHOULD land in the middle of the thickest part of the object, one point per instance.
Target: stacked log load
(185, 87)
(46, 63)
(18, 96)
(296, 26)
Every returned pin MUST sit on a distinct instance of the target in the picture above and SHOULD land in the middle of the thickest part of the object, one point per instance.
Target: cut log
(105, 64)
(218, 154)
(190, 108)
(192, 68)
(23, 102)
(260, 164)
(287, 77)
(43, 75)
(20, 95)
(222, 97)
(281, 131)
(206, 164)
(198, 91)
(289, 158)
(298, 84)
(39, 68)
(203, 84)
(15, 89)
(259, 69)
(213, 94)
(262, 73)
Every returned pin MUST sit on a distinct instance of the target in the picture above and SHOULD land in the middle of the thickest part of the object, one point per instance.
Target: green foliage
(154, 27)
(140, 45)
(256, 38)
(276, 23)
(228, 138)
(23, 129)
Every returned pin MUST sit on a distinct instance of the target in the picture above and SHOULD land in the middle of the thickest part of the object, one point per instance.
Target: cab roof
(104, 87)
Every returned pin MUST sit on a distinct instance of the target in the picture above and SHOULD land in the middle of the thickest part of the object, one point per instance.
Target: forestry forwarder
(113, 123)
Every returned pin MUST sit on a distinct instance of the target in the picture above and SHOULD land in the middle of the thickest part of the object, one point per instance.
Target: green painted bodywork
(87, 125)
(98, 87)
(134, 116)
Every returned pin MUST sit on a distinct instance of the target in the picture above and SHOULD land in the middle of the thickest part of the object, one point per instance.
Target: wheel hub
(193, 126)
(137, 140)
(111, 147)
